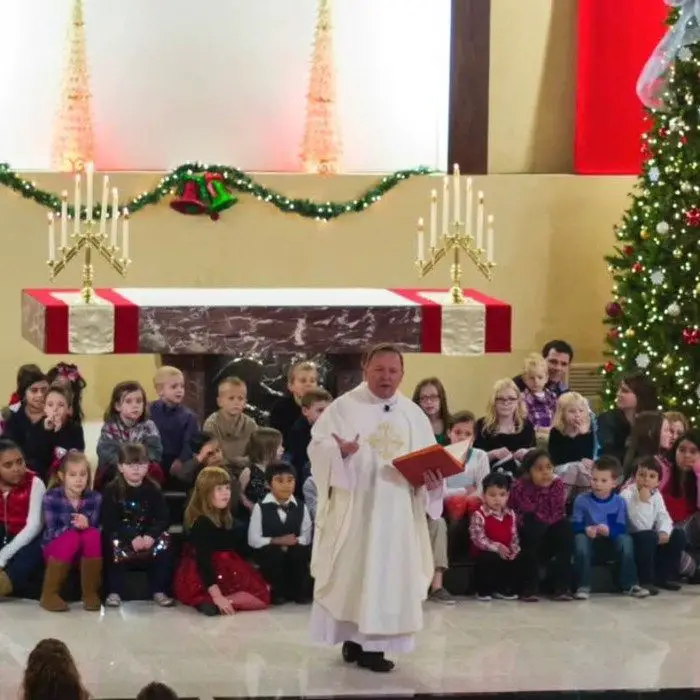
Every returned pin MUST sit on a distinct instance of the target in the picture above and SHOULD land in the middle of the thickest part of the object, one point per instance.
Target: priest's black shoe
(351, 652)
(375, 661)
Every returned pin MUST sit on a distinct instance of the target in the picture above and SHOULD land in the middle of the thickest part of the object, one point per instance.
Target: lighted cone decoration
(203, 194)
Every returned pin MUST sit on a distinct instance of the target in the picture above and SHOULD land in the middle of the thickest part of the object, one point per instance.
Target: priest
(372, 562)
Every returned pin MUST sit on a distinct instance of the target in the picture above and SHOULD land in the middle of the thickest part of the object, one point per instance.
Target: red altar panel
(615, 38)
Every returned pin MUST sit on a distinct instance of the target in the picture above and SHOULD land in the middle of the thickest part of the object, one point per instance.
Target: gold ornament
(677, 253)
(630, 333)
(644, 235)
(667, 361)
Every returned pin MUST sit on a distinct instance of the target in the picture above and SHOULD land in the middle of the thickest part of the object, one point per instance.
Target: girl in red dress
(211, 576)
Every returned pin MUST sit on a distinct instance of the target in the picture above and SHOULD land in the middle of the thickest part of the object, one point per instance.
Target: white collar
(271, 499)
(375, 400)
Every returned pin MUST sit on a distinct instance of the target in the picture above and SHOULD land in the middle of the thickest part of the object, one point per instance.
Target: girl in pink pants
(71, 517)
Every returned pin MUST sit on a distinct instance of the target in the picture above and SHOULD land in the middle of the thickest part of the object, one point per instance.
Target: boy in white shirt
(657, 544)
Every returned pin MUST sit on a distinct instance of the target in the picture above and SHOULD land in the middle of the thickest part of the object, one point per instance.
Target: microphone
(387, 408)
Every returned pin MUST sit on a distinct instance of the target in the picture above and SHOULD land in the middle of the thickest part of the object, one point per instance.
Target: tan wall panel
(552, 232)
(532, 86)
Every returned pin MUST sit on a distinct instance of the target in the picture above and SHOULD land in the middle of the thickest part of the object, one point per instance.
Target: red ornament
(691, 336)
(613, 334)
(692, 217)
(609, 367)
(684, 140)
(613, 309)
(637, 267)
(628, 250)
(663, 132)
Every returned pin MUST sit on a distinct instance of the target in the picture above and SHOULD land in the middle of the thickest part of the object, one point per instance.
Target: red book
(449, 461)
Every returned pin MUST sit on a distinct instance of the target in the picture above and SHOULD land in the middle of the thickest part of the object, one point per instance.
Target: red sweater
(15, 508)
(679, 508)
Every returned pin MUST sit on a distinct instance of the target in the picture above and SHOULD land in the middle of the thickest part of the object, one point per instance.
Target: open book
(449, 461)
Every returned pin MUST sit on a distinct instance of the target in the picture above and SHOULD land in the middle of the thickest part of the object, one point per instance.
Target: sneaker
(564, 597)
(113, 601)
(636, 592)
(163, 600)
(484, 598)
(529, 598)
(504, 596)
(670, 585)
(440, 595)
(582, 594)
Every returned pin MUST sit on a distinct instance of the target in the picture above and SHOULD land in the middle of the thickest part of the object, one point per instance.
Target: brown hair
(315, 396)
(301, 366)
(645, 438)
(51, 674)
(71, 457)
(640, 385)
(263, 445)
(461, 417)
(65, 392)
(381, 349)
(200, 503)
(118, 393)
(442, 397)
(132, 453)
(608, 463)
(157, 691)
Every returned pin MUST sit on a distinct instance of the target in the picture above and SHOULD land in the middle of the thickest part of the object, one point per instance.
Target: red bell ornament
(192, 198)
(692, 217)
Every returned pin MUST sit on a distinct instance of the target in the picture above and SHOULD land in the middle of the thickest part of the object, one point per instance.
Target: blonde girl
(211, 576)
(505, 433)
(265, 446)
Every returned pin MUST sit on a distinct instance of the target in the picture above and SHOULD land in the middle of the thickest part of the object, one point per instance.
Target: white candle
(90, 177)
(52, 237)
(125, 233)
(105, 203)
(76, 216)
(115, 218)
(421, 241)
(445, 206)
(433, 219)
(457, 195)
(489, 239)
(64, 219)
(480, 222)
(469, 227)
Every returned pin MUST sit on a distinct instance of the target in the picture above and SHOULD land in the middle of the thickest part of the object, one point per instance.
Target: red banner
(615, 38)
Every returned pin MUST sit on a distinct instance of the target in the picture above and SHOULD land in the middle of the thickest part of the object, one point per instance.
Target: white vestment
(371, 561)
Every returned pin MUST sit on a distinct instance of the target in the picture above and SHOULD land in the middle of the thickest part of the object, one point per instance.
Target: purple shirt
(176, 425)
(540, 409)
(547, 504)
(58, 511)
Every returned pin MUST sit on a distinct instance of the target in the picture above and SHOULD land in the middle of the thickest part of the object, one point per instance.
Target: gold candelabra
(457, 236)
(89, 236)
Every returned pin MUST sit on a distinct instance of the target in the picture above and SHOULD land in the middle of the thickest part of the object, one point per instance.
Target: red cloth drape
(615, 38)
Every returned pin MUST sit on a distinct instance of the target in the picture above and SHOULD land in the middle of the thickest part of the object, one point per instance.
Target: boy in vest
(280, 535)
(21, 495)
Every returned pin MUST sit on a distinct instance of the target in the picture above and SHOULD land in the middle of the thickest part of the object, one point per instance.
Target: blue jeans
(621, 549)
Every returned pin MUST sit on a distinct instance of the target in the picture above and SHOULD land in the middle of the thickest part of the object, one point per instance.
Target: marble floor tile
(605, 643)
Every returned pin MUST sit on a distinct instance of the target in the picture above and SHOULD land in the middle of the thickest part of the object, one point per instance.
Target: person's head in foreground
(51, 674)
(157, 691)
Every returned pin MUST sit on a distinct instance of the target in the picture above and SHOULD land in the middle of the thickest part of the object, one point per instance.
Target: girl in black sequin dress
(265, 446)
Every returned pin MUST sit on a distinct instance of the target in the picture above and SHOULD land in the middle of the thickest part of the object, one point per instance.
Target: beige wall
(552, 232)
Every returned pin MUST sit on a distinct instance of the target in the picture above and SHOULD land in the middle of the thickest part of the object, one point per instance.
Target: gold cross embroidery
(386, 441)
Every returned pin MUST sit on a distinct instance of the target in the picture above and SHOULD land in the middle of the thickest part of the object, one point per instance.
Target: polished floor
(605, 643)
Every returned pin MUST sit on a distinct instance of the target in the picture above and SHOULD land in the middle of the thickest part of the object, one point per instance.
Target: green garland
(233, 178)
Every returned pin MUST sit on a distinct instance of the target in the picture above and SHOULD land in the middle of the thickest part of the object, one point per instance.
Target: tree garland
(233, 179)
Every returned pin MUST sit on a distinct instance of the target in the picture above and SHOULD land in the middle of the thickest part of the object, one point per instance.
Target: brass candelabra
(456, 241)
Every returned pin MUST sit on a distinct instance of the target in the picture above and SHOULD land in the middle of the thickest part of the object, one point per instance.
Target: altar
(194, 328)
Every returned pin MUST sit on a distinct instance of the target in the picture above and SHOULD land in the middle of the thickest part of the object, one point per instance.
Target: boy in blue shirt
(599, 523)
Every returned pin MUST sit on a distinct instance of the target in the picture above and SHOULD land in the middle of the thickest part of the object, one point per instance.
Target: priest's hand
(433, 480)
(347, 447)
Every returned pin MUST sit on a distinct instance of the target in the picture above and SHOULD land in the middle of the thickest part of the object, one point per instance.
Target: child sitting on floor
(538, 498)
(126, 422)
(21, 493)
(211, 576)
(135, 527)
(230, 425)
(494, 535)
(67, 376)
(280, 535)
(265, 447)
(175, 422)
(15, 401)
(302, 377)
(72, 520)
(657, 544)
(599, 523)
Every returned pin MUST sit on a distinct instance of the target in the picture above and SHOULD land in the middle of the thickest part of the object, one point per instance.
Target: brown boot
(90, 582)
(5, 585)
(56, 573)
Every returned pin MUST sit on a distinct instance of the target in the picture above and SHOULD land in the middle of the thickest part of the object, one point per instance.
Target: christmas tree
(321, 147)
(654, 317)
(73, 141)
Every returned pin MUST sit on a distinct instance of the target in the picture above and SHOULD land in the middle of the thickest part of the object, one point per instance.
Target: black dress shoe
(277, 600)
(208, 609)
(670, 585)
(375, 661)
(351, 652)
